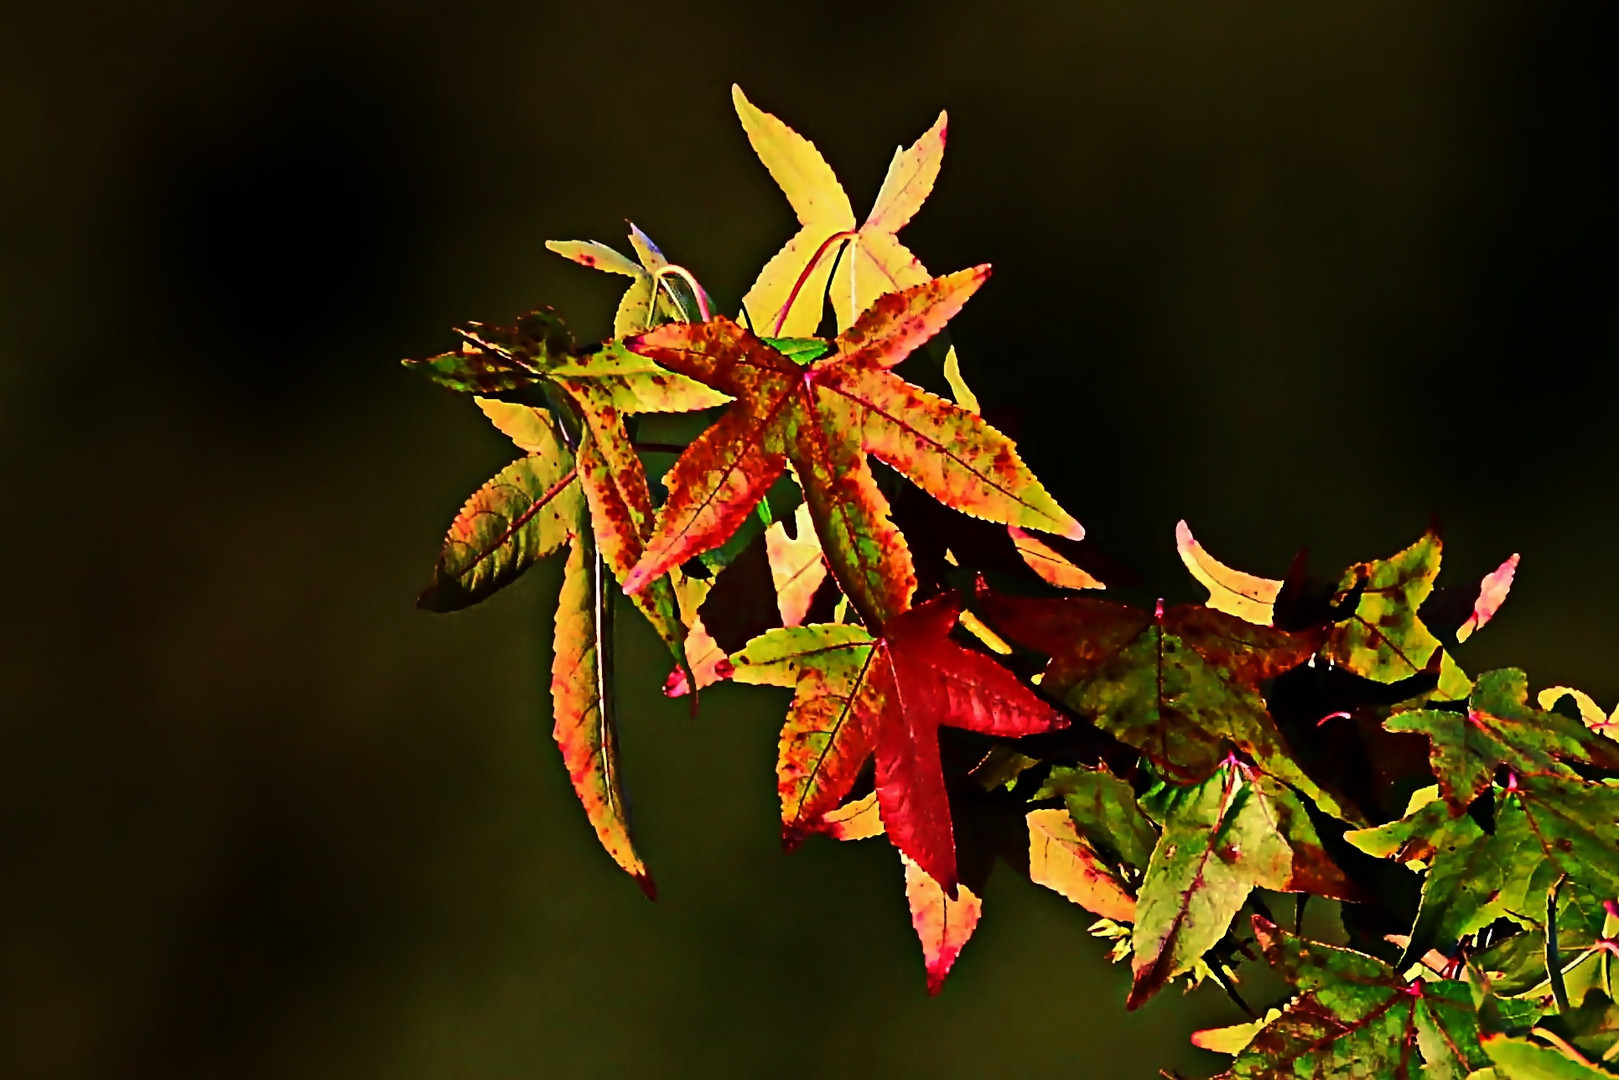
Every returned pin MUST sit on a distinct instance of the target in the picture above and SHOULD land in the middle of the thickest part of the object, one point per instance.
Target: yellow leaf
(1052, 567)
(1246, 596)
(1063, 861)
(942, 925)
(796, 565)
(858, 820)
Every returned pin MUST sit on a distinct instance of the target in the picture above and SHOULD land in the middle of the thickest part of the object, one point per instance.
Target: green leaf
(1500, 727)
(522, 515)
(1572, 824)
(802, 351)
(1383, 638)
(1354, 1016)
(1521, 1059)
(1105, 811)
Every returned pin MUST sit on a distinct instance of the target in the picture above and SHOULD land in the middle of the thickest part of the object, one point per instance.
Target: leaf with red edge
(824, 419)
(786, 299)
(1181, 685)
(1492, 593)
(1354, 1016)
(1499, 727)
(858, 695)
(943, 922)
(1236, 831)
(583, 702)
(1049, 564)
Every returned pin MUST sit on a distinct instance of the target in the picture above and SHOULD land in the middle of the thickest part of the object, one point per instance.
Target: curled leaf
(1247, 596)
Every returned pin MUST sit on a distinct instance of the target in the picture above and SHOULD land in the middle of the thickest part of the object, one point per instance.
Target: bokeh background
(1301, 274)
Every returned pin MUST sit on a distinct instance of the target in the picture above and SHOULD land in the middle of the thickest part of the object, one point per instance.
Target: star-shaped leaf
(787, 300)
(1356, 1017)
(1572, 824)
(1236, 831)
(824, 419)
(856, 695)
(1180, 685)
(1383, 638)
(1499, 727)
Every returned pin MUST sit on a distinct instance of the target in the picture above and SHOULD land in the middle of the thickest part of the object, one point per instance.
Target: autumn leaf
(650, 298)
(1236, 831)
(859, 819)
(1104, 809)
(857, 695)
(1570, 823)
(1492, 593)
(1383, 638)
(1063, 861)
(1354, 1016)
(787, 296)
(1524, 1059)
(1049, 564)
(522, 515)
(796, 566)
(824, 419)
(1248, 597)
(943, 922)
(583, 702)
(1466, 870)
(1180, 685)
(1499, 727)
(1590, 712)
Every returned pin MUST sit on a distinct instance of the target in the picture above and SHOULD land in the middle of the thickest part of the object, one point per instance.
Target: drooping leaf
(1236, 831)
(493, 359)
(583, 702)
(1064, 862)
(522, 515)
(860, 819)
(1354, 1016)
(1499, 727)
(1180, 685)
(796, 566)
(943, 922)
(825, 419)
(873, 261)
(1247, 596)
(1104, 809)
(1045, 561)
(1492, 593)
(1383, 638)
(856, 695)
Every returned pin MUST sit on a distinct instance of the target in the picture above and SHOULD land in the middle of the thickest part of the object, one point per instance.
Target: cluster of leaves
(959, 687)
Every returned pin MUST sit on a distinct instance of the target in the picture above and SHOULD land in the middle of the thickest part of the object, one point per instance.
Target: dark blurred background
(1301, 274)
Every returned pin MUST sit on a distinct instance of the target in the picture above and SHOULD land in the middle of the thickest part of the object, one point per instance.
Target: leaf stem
(803, 276)
(1231, 991)
(1554, 963)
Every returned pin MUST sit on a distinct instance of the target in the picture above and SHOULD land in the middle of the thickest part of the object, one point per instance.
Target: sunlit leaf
(796, 566)
(825, 420)
(1045, 561)
(1063, 861)
(856, 695)
(1248, 597)
(1524, 1059)
(1590, 712)
(943, 922)
(1104, 809)
(1492, 593)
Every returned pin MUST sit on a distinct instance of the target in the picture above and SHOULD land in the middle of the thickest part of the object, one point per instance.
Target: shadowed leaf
(1064, 862)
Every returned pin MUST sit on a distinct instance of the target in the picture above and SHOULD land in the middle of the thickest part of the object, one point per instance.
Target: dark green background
(1301, 274)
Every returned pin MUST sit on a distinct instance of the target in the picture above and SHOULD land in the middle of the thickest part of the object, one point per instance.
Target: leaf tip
(649, 888)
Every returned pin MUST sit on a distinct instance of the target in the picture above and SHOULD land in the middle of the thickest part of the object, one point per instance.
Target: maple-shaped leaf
(1515, 966)
(1466, 871)
(787, 297)
(856, 695)
(1247, 596)
(1492, 593)
(1590, 711)
(1572, 824)
(1236, 831)
(1104, 809)
(1181, 685)
(1354, 1016)
(824, 419)
(1383, 638)
(1499, 727)
(943, 922)
(1065, 862)
(525, 513)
